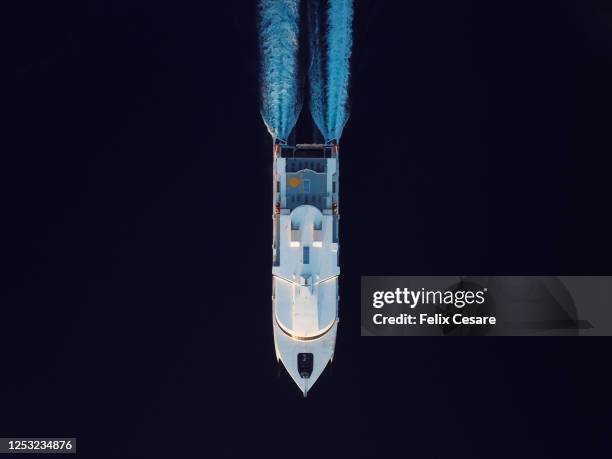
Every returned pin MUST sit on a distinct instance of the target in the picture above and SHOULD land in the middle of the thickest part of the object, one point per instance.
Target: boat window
(305, 362)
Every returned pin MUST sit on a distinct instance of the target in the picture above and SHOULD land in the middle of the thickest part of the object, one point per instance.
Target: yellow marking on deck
(294, 182)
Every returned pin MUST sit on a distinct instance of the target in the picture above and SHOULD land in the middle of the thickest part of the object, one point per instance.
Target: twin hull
(305, 265)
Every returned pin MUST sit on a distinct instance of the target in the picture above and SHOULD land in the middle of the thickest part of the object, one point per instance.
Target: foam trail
(329, 65)
(279, 74)
(339, 43)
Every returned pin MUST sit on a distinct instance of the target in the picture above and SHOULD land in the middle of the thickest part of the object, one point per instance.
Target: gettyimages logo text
(414, 298)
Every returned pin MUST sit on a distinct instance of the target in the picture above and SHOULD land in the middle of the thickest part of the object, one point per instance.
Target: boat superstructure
(305, 251)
